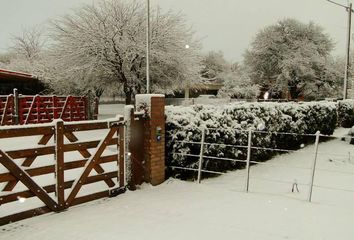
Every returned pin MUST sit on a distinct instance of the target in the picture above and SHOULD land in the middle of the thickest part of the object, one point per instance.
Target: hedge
(345, 111)
(228, 124)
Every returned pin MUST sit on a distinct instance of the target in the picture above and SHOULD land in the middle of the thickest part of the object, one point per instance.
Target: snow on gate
(50, 167)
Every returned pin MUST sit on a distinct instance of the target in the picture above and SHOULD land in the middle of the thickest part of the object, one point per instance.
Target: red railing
(7, 110)
(42, 109)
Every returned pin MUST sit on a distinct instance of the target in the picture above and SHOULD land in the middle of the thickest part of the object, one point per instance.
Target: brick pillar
(154, 136)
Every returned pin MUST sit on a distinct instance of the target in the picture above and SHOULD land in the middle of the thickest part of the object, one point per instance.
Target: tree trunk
(99, 92)
(294, 92)
(128, 91)
(128, 97)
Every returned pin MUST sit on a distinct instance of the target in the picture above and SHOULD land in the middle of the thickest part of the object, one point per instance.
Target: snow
(218, 208)
(110, 110)
(143, 101)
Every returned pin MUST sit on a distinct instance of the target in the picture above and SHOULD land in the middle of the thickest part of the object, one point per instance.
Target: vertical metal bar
(347, 60)
(148, 48)
(201, 156)
(249, 147)
(314, 165)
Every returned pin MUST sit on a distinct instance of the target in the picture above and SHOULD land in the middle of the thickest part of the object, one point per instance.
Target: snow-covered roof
(5, 74)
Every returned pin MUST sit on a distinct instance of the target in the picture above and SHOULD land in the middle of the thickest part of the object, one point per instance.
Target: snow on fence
(59, 165)
(217, 101)
(20, 109)
(312, 168)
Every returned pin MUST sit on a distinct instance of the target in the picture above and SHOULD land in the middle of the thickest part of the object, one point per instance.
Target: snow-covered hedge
(345, 110)
(227, 124)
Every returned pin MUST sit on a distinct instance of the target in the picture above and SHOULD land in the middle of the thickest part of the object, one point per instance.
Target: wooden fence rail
(54, 156)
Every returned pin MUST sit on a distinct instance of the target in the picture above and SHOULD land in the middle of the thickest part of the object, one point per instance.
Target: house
(25, 83)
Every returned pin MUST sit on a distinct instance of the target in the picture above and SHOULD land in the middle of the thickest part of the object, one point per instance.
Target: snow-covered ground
(110, 110)
(218, 208)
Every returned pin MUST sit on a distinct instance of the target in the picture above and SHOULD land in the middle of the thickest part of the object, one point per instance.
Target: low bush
(227, 125)
(345, 111)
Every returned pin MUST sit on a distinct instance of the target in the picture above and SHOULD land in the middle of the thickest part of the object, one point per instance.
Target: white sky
(226, 25)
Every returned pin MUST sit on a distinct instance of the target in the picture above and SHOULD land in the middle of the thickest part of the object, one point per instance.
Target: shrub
(345, 111)
(228, 125)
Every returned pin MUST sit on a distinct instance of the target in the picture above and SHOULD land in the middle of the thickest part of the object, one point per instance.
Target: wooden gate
(64, 159)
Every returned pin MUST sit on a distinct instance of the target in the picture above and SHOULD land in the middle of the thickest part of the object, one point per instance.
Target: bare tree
(30, 43)
(110, 37)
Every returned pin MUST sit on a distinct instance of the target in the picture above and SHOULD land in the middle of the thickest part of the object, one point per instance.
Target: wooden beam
(90, 164)
(27, 180)
(23, 215)
(85, 126)
(24, 132)
(45, 139)
(100, 170)
(24, 153)
(95, 196)
(121, 157)
(28, 161)
(52, 188)
(59, 164)
(28, 194)
(86, 154)
(6, 177)
(85, 145)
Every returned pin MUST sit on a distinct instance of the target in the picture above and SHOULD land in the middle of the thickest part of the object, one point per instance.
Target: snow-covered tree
(328, 82)
(289, 56)
(110, 37)
(30, 43)
(237, 84)
(27, 51)
(214, 64)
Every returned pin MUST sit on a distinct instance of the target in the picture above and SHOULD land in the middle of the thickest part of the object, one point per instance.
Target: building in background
(26, 84)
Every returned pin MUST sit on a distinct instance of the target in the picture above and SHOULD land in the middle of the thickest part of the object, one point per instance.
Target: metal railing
(249, 162)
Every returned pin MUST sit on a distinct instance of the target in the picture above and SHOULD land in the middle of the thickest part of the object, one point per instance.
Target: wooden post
(71, 105)
(38, 108)
(314, 165)
(95, 108)
(121, 157)
(59, 163)
(249, 148)
(201, 156)
(89, 106)
(16, 107)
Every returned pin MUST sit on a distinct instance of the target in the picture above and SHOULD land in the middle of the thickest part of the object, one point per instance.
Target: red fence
(42, 109)
(7, 110)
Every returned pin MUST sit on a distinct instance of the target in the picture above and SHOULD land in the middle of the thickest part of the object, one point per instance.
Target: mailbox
(158, 134)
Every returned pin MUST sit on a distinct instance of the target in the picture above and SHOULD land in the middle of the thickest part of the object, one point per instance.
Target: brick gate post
(154, 136)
